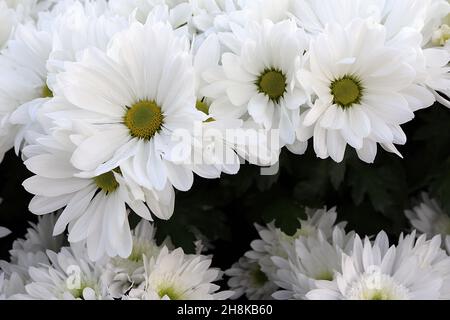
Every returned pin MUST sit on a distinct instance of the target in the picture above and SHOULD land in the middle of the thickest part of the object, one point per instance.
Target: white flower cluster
(47, 268)
(323, 262)
(115, 104)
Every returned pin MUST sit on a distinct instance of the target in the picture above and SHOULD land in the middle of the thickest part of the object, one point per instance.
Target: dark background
(370, 197)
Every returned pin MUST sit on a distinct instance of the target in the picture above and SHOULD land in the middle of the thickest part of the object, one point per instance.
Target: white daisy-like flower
(430, 255)
(246, 278)
(378, 271)
(88, 202)
(123, 274)
(363, 96)
(39, 54)
(273, 241)
(69, 276)
(258, 79)
(23, 80)
(429, 218)
(30, 251)
(142, 110)
(177, 276)
(311, 260)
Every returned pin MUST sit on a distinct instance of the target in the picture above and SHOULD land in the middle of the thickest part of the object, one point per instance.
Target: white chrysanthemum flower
(141, 123)
(177, 276)
(123, 274)
(430, 255)
(4, 232)
(364, 89)
(39, 53)
(258, 79)
(70, 276)
(30, 251)
(23, 83)
(409, 271)
(246, 278)
(89, 202)
(311, 260)
(429, 218)
(273, 241)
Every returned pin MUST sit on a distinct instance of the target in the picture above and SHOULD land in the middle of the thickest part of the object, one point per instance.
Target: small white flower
(89, 202)
(429, 218)
(412, 270)
(30, 251)
(69, 276)
(246, 278)
(177, 276)
(311, 261)
(123, 274)
(365, 90)
(258, 78)
(141, 123)
(273, 242)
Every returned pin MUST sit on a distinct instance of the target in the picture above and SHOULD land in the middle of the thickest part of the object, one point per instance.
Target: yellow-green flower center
(170, 292)
(107, 182)
(46, 92)
(144, 119)
(272, 83)
(326, 275)
(203, 107)
(346, 91)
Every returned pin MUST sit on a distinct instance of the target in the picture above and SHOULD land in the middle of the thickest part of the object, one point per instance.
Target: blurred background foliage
(370, 197)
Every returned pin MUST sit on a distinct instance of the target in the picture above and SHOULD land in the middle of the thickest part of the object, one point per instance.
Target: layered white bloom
(430, 255)
(177, 276)
(273, 242)
(312, 261)
(246, 278)
(23, 83)
(89, 202)
(69, 276)
(365, 91)
(410, 271)
(30, 251)
(258, 78)
(428, 217)
(142, 110)
(123, 274)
